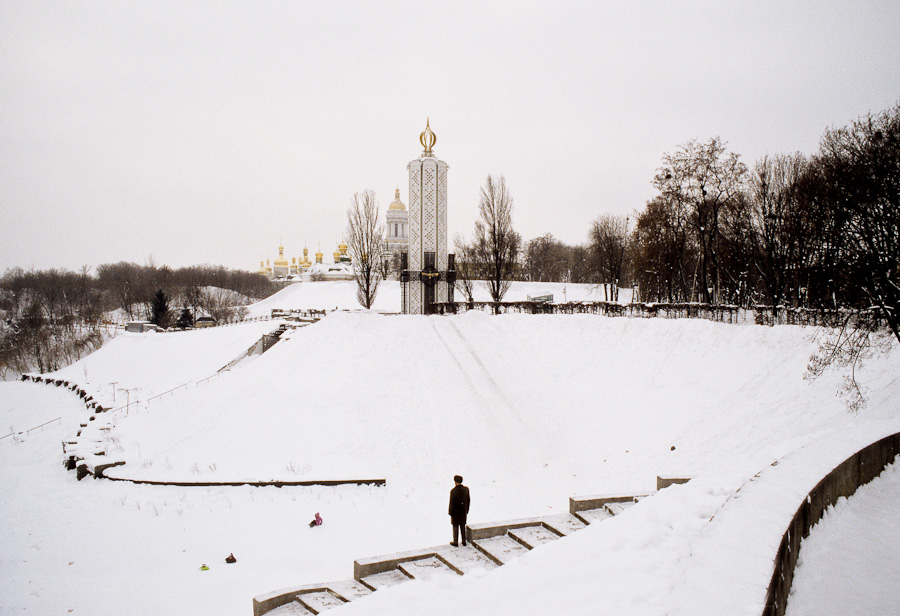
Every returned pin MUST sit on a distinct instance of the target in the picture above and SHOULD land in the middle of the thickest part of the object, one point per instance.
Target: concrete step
(617, 508)
(599, 507)
(317, 602)
(385, 579)
(594, 515)
(465, 559)
(561, 524)
(533, 536)
(290, 609)
(500, 549)
(349, 589)
(428, 569)
(287, 600)
(565, 523)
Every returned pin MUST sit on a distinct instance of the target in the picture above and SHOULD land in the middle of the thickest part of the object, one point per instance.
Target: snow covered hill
(530, 409)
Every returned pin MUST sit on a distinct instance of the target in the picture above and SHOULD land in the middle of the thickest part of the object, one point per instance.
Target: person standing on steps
(459, 509)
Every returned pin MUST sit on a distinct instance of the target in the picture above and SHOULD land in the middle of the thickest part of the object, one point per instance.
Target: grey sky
(206, 132)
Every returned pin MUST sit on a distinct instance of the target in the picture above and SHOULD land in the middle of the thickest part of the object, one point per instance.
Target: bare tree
(609, 245)
(778, 224)
(466, 273)
(861, 168)
(365, 238)
(702, 179)
(546, 259)
(223, 305)
(495, 248)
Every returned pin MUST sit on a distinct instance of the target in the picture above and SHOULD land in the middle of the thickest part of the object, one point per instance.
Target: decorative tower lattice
(428, 274)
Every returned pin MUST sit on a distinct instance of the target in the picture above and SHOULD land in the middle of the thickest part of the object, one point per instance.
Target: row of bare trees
(819, 231)
(131, 287)
(49, 318)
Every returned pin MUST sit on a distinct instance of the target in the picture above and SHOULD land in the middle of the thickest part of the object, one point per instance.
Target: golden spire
(427, 138)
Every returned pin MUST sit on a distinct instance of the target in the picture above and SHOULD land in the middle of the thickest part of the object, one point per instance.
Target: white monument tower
(429, 274)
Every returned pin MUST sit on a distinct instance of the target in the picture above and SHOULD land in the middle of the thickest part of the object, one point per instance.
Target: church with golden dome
(396, 243)
(281, 269)
(300, 268)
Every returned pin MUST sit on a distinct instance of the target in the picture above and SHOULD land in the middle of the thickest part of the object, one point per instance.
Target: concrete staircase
(489, 545)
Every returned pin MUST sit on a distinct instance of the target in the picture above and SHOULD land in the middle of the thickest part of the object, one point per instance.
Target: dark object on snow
(231, 558)
(673, 448)
(316, 522)
(459, 509)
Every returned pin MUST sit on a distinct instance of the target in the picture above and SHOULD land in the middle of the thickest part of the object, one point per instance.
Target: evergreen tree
(159, 309)
(185, 320)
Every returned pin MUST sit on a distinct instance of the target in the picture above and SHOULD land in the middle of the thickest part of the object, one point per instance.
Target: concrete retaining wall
(857, 470)
(586, 503)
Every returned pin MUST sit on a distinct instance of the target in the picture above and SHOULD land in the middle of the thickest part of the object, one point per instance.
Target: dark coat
(459, 504)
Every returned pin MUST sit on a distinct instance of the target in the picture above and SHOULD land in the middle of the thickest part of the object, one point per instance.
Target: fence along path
(723, 313)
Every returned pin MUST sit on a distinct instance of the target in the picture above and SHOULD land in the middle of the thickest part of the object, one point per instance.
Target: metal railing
(30, 430)
(166, 392)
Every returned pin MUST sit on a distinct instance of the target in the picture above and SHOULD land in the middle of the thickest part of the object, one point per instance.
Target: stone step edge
(365, 567)
(275, 599)
(475, 532)
(310, 608)
(437, 557)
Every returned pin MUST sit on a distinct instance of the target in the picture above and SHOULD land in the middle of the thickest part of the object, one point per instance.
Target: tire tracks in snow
(493, 387)
(499, 410)
(476, 391)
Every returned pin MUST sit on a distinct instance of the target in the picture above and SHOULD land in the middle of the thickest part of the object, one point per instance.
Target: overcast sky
(208, 132)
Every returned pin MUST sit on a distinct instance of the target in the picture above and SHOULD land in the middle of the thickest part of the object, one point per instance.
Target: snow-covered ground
(529, 409)
(849, 563)
(339, 295)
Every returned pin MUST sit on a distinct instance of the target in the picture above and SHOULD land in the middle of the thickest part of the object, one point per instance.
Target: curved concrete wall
(857, 470)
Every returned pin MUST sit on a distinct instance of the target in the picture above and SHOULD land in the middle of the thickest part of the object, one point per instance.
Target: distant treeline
(49, 318)
(819, 231)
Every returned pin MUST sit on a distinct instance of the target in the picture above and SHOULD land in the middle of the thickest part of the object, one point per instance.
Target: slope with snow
(530, 409)
(148, 364)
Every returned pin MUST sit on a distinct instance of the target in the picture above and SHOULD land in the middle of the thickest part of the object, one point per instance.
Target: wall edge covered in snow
(857, 470)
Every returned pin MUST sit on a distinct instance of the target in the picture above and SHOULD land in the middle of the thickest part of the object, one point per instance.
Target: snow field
(529, 409)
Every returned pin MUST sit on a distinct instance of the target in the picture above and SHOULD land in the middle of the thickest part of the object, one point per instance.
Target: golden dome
(397, 204)
(342, 248)
(281, 260)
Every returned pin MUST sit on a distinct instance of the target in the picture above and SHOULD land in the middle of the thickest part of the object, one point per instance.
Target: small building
(139, 327)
